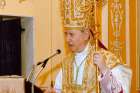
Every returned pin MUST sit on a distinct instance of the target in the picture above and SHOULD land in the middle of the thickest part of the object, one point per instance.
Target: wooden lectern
(16, 84)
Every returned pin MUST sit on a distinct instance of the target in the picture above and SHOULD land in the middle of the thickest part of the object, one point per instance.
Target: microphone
(58, 51)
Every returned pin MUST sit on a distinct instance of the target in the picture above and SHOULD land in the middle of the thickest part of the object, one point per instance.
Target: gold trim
(20, 1)
(72, 28)
(138, 43)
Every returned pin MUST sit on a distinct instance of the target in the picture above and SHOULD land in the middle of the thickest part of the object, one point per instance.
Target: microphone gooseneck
(58, 51)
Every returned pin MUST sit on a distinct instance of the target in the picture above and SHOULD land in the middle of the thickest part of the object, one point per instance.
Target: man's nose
(68, 38)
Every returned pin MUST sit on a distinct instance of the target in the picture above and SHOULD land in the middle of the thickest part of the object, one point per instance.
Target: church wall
(138, 45)
(48, 35)
(49, 38)
(133, 49)
(16, 8)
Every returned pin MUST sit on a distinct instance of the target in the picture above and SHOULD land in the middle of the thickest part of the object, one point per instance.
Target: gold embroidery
(89, 76)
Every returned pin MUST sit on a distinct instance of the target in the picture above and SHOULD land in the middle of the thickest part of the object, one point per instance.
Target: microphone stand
(32, 77)
(36, 78)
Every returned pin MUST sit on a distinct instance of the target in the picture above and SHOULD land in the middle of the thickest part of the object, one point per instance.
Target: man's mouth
(70, 45)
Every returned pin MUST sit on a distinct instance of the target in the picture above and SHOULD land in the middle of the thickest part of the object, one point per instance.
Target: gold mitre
(78, 14)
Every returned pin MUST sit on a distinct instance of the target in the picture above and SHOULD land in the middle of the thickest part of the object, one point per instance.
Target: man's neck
(83, 49)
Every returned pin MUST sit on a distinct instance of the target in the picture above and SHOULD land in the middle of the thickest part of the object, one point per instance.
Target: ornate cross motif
(2, 3)
(20, 1)
(117, 17)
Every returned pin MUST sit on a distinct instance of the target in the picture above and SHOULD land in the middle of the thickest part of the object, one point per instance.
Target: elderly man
(87, 69)
(79, 73)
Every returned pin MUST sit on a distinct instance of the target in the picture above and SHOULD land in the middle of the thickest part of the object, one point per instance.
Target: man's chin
(72, 49)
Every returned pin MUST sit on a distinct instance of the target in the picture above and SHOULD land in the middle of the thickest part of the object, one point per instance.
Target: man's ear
(87, 34)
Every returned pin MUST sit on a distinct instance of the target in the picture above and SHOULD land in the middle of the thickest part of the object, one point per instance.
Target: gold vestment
(90, 78)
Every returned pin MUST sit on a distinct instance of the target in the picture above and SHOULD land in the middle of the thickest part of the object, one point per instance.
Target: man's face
(76, 40)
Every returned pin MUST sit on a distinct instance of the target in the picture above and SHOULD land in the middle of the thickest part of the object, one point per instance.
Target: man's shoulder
(110, 58)
(67, 59)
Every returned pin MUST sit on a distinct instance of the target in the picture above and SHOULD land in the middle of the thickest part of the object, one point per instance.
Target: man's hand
(50, 90)
(99, 60)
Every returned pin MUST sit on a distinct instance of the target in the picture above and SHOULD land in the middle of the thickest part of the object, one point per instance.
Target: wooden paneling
(133, 55)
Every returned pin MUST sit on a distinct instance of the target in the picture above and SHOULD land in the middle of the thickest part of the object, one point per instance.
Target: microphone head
(58, 51)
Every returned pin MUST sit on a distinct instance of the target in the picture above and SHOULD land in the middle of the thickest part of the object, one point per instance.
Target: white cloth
(58, 82)
(116, 80)
(80, 62)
